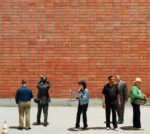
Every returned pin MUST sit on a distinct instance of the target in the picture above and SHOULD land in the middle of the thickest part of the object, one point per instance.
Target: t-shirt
(110, 93)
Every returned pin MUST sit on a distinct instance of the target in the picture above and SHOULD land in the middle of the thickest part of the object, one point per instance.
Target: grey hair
(118, 77)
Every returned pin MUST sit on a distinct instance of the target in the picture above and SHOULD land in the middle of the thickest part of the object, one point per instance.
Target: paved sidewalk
(62, 120)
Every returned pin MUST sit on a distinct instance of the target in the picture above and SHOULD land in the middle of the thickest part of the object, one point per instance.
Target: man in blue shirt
(23, 99)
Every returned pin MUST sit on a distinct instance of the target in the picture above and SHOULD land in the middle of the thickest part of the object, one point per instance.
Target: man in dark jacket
(44, 99)
(23, 99)
(123, 93)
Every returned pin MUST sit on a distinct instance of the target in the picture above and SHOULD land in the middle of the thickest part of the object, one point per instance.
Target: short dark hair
(109, 78)
(23, 82)
(83, 83)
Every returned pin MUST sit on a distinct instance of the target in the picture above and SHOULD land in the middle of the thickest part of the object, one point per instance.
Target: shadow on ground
(90, 128)
(129, 128)
(35, 124)
(13, 127)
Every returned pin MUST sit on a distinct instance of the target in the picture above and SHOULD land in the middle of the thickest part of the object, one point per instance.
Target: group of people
(23, 99)
(115, 95)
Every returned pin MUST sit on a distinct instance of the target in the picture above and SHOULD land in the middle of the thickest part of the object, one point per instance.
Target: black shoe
(120, 122)
(20, 128)
(77, 126)
(28, 128)
(85, 126)
(45, 124)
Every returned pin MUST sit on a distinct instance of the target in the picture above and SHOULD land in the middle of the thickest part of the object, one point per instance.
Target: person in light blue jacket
(83, 97)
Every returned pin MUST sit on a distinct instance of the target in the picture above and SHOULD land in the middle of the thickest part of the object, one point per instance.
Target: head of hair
(83, 83)
(109, 78)
(23, 82)
(118, 77)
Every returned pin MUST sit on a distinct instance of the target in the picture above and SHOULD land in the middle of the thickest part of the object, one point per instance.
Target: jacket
(43, 94)
(83, 97)
(135, 93)
(23, 94)
(123, 91)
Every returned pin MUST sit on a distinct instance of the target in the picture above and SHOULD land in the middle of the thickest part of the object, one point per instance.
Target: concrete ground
(62, 120)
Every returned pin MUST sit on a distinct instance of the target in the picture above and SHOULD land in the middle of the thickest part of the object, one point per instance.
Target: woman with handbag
(136, 97)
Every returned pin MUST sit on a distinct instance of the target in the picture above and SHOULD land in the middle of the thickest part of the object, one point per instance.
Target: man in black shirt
(110, 100)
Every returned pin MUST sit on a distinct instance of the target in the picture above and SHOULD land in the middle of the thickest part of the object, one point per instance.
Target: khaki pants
(24, 108)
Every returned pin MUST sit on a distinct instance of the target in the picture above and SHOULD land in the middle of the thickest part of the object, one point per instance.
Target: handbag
(36, 100)
(140, 101)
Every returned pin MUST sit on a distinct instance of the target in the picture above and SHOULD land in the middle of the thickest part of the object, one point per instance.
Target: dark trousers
(120, 111)
(45, 112)
(136, 116)
(82, 109)
(111, 107)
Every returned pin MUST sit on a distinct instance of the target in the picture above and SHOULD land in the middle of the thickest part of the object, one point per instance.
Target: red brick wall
(73, 39)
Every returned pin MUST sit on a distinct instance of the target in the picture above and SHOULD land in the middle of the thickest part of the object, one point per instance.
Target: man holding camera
(43, 99)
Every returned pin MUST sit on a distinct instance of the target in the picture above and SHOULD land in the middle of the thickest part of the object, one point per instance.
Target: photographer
(43, 99)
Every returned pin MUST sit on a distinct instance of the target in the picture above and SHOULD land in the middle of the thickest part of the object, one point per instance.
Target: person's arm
(125, 92)
(38, 84)
(17, 96)
(134, 92)
(31, 94)
(118, 100)
(48, 85)
(118, 96)
(103, 97)
(103, 101)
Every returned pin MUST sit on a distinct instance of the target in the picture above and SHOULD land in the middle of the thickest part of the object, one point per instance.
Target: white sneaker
(107, 128)
(116, 129)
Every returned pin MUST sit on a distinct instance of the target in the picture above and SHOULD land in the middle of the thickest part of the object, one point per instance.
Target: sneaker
(77, 126)
(116, 129)
(107, 128)
(85, 126)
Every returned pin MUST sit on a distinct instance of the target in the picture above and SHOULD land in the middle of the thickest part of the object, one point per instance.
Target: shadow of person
(82, 129)
(13, 127)
(35, 124)
(129, 128)
(110, 122)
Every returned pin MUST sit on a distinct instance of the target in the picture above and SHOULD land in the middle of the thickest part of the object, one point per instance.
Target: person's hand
(144, 96)
(103, 105)
(79, 90)
(119, 104)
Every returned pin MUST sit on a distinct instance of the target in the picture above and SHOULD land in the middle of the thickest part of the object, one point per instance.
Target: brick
(72, 40)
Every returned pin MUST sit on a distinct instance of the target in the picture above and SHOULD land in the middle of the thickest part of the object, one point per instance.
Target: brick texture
(70, 40)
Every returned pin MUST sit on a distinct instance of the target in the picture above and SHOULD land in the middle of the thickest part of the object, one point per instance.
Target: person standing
(44, 99)
(110, 100)
(123, 94)
(83, 97)
(136, 93)
(23, 99)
